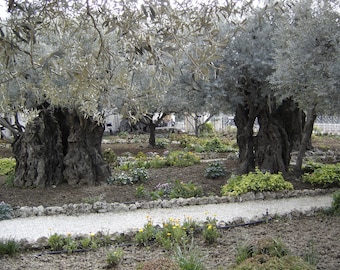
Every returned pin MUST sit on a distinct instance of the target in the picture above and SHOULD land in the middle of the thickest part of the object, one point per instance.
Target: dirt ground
(318, 235)
(65, 194)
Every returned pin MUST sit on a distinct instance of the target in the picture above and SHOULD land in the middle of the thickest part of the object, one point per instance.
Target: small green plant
(161, 190)
(10, 179)
(5, 211)
(56, 242)
(255, 181)
(70, 244)
(182, 159)
(110, 157)
(146, 235)
(7, 166)
(172, 234)
(310, 254)
(215, 170)
(85, 242)
(335, 209)
(189, 257)
(266, 246)
(185, 190)
(139, 175)
(161, 143)
(113, 258)
(141, 191)
(9, 247)
(326, 175)
(121, 178)
(210, 232)
(134, 175)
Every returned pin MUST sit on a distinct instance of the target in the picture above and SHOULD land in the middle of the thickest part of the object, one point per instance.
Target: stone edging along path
(104, 207)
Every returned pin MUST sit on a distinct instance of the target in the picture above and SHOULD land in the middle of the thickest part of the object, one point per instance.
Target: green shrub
(326, 175)
(9, 247)
(5, 211)
(215, 170)
(182, 159)
(255, 181)
(7, 166)
(311, 166)
(158, 162)
(185, 190)
(207, 128)
(215, 145)
(187, 141)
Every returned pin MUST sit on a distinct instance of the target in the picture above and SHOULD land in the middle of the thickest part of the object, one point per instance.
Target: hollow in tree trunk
(60, 146)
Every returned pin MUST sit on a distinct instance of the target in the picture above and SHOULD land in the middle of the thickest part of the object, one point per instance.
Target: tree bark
(38, 153)
(306, 138)
(152, 137)
(83, 161)
(244, 120)
(60, 146)
(272, 146)
(292, 119)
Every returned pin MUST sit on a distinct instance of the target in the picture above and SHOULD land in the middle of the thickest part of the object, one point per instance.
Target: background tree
(246, 63)
(307, 61)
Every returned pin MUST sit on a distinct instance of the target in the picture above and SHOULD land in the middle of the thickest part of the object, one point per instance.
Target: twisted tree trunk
(272, 145)
(59, 146)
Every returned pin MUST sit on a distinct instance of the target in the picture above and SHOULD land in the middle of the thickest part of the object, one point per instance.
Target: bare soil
(318, 235)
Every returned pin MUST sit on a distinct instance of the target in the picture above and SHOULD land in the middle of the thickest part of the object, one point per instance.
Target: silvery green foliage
(307, 58)
(89, 58)
(248, 60)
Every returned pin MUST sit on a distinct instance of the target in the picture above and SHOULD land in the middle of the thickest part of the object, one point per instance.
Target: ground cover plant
(325, 175)
(255, 181)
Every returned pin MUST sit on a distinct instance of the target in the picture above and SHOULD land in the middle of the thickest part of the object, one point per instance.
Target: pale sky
(3, 9)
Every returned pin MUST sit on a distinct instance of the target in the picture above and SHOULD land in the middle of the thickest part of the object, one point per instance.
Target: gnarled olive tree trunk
(244, 120)
(60, 146)
(280, 129)
(272, 151)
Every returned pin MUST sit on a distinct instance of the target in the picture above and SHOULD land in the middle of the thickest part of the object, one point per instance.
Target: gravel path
(33, 228)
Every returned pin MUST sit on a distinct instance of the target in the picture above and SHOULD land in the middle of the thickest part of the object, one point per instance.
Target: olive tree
(307, 61)
(242, 79)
